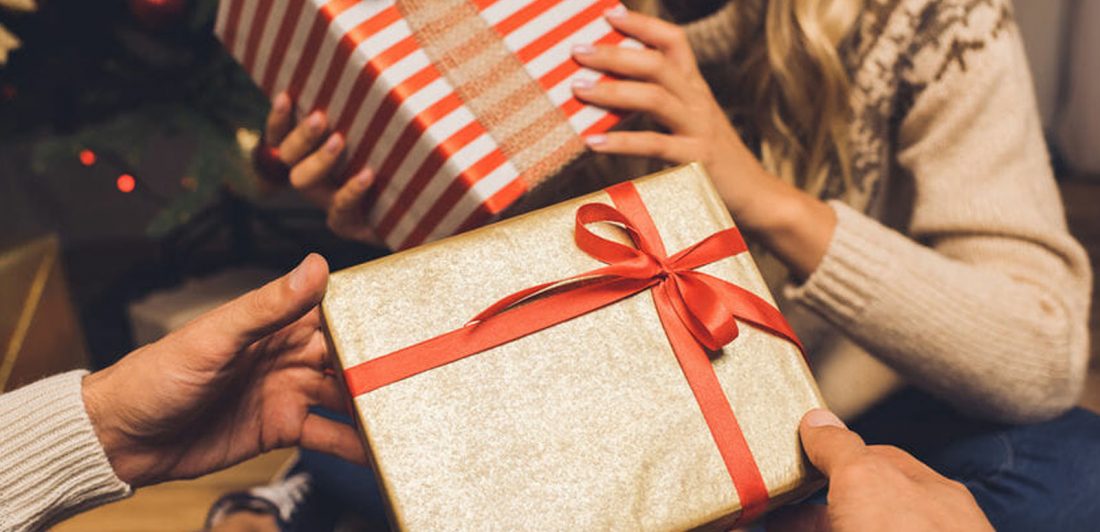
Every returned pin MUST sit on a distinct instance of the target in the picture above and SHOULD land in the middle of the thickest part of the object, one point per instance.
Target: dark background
(150, 91)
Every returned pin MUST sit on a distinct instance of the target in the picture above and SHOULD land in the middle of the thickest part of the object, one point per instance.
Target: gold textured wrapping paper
(587, 425)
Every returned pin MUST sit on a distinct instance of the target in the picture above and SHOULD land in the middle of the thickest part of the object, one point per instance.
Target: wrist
(792, 224)
(97, 403)
(773, 208)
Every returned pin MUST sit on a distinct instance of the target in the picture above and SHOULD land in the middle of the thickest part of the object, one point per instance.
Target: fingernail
(282, 102)
(823, 418)
(615, 13)
(581, 84)
(583, 49)
(316, 122)
(595, 140)
(334, 144)
(365, 177)
(297, 277)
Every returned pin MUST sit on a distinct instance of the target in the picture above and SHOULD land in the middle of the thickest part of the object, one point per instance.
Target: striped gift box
(460, 106)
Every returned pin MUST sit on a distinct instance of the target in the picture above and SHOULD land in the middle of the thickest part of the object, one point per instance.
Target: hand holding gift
(313, 155)
(876, 487)
(664, 82)
(234, 383)
(460, 107)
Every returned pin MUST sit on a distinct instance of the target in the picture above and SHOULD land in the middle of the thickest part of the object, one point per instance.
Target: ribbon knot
(696, 309)
(706, 305)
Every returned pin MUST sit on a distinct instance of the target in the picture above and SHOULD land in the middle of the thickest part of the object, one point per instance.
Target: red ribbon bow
(698, 311)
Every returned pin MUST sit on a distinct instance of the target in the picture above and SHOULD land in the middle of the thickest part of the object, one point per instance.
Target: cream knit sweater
(51, 463)
(952, 266)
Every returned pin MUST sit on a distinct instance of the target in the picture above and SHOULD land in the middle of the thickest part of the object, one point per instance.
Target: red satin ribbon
(698, 311)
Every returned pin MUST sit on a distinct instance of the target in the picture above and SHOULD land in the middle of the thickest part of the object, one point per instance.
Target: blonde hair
(787, 81)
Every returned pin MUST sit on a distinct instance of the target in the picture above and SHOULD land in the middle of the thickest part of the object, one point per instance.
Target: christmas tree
(96, 81)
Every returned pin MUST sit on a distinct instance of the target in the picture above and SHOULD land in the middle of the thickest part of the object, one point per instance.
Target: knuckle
(290, 152)
(256, 304)
(605, 91)
(677, 36)
(655, 144)
(956, 488)
(652, 64)
(652, 98)
(696, 150)
(860, 471)
(888, 451)
(333, 222)
(285, 154)
(340, 204)
(325, 157)
(299, 176)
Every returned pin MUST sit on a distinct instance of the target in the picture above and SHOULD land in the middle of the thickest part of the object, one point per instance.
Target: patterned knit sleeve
(51, 463)
(982, 297)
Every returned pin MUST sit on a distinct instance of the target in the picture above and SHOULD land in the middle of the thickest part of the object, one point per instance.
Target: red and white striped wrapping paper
(439, 170)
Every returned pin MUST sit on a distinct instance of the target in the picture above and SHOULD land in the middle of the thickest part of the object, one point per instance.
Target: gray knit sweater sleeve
(51, 463)
(984, 300)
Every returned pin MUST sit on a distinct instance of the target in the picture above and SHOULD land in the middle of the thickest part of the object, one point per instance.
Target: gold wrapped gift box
(586, 425)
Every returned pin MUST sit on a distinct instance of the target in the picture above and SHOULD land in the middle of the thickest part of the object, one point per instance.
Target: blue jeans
(1044, 476)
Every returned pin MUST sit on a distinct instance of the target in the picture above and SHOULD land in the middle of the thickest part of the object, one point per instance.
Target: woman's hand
(236, 382)
(875, 488)
(664, 82)
(312, 154)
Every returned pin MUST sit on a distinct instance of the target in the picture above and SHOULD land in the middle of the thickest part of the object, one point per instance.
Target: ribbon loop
(697, 311)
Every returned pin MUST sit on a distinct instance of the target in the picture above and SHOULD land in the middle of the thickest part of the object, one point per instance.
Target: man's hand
(876, 487)
(234, 383)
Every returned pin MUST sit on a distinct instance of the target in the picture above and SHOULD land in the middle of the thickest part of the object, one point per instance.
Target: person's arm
(235, 382)
(984, 302)
(51, 463)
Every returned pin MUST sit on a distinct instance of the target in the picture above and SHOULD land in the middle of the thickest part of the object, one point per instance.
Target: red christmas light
(125, 183)
(87, 157)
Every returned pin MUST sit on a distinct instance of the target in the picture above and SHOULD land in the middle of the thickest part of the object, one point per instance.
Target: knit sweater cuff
(851, 272)
(51, 462)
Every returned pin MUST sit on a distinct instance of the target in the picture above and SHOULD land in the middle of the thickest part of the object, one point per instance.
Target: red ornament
(125, 183)
(158, 14)
(87, 157)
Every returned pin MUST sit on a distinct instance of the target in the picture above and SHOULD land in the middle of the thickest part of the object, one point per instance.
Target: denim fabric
(1044, 476)
(344, 485)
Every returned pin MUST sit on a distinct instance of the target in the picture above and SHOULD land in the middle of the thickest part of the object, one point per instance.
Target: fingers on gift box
(610, 379)
(460, 106)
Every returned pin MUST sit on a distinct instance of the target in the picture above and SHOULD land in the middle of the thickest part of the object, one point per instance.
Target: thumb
(239, 323)
(827, 442)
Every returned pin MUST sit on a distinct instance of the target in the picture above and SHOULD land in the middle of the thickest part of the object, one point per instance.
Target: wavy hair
(785, 80)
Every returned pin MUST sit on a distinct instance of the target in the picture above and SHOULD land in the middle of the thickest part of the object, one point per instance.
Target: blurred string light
(87, 157)
(125, 183)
